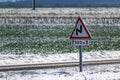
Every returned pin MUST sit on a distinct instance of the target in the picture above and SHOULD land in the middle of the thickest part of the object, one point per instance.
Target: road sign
(80, 31)
(79, 36)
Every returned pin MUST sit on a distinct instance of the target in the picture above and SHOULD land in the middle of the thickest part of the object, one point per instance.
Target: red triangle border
(88, 33)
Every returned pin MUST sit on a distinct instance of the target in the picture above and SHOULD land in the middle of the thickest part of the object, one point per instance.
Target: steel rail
(56, 65)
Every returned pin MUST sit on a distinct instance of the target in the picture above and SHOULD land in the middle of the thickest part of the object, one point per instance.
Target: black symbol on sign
(79, 30)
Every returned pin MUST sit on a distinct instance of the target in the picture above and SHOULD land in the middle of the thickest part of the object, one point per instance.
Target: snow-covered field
(92, 16)
(60, 12)
(100, 72)
(96, 16)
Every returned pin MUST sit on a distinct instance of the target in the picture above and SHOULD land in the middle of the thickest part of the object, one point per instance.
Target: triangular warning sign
(80, 31)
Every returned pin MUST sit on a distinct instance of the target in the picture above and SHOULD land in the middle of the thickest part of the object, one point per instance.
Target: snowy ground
(100, 72)
(91, 16)
(110, 72)
(35, 58)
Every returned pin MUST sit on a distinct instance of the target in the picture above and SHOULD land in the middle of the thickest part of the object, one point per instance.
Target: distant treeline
(62, 3)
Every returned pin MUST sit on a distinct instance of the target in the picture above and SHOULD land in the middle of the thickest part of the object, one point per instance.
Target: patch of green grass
(54, 39)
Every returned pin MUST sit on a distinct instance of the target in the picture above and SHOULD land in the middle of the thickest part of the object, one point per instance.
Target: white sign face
(80, 31)
(80, 42)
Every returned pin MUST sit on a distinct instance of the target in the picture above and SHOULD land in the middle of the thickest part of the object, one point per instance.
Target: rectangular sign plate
(80, 42)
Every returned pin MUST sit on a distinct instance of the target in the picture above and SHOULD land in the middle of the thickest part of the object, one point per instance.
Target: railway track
(56, 65)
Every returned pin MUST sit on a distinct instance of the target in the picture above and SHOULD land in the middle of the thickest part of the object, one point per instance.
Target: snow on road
(65, 76)
(98, 72)
(62, 74)
(7, 59)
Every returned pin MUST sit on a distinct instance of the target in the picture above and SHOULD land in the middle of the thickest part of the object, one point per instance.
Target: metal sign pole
(33, 4)
(80, 58)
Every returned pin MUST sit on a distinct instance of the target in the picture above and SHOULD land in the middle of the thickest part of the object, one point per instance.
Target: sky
(8, 0)
(70, 2)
